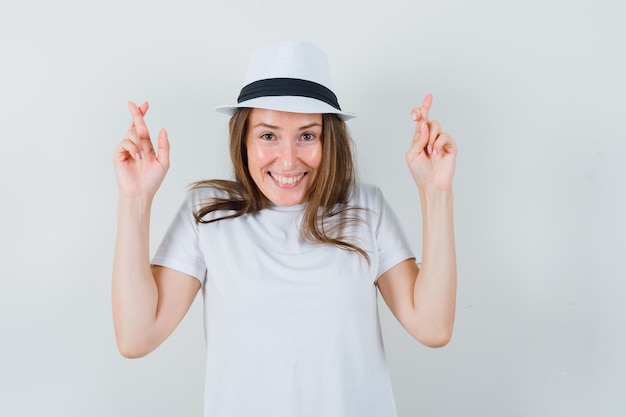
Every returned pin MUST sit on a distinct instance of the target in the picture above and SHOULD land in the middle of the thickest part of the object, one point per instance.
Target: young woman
(290, 254)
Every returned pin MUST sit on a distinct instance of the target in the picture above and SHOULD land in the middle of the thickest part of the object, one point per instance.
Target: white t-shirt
(292, 327)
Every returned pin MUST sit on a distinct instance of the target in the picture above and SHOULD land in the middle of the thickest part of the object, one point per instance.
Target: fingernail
(143, 154)
(430, 149)
(414, 116)
(137, 155)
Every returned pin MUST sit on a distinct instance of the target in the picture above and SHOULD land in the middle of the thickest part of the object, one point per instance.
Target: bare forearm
(435, 287)
(134, 289)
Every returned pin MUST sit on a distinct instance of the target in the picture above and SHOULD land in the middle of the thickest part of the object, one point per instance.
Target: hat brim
(292, 104)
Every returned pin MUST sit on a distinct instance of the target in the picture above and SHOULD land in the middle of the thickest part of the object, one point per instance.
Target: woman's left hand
(432, 156)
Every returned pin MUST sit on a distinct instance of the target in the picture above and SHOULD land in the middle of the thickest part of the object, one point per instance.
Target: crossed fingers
(428, 134)
(137, 140)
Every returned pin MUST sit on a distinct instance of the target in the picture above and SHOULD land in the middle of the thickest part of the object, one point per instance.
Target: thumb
(163, 145)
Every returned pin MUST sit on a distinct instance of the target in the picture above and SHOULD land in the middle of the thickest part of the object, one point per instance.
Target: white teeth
(287, 180)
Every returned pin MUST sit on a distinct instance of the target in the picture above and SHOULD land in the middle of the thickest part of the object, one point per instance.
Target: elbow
(130, 353)
(433, 337)
(438, 340)
(133, 341)
(132, 348)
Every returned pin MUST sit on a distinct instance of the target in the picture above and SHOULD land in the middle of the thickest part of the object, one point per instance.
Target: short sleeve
(180, 248)
(393, 245)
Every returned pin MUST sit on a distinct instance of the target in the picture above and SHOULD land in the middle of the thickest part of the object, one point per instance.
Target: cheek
(256, 156)
(315, 159)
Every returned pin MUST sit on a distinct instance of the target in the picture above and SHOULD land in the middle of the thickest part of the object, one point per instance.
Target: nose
(288, 154)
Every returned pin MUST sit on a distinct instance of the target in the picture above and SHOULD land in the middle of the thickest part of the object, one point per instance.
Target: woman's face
(284, 154)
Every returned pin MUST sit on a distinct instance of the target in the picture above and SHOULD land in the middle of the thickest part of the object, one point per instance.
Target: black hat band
(288, 87)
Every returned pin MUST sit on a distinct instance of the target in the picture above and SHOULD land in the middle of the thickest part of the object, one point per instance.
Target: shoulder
(204, 193)
(215, 193)
(367, 195)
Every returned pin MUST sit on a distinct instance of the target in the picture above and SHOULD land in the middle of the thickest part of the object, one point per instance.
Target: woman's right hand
(138, 168)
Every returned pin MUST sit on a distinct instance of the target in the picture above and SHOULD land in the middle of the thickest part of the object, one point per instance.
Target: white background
(533, 92)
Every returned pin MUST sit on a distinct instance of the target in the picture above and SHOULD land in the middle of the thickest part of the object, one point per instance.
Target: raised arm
(423, 299)
(148, 302)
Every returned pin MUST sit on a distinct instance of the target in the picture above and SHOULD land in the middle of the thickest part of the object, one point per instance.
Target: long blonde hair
(328, 211)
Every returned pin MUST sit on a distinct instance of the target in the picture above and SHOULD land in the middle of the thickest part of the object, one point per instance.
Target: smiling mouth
(287, 180)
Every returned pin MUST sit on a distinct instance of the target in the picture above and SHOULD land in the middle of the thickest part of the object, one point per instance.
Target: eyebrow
(269, 126)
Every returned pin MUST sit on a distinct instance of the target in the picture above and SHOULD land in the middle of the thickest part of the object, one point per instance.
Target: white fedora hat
(288, 76)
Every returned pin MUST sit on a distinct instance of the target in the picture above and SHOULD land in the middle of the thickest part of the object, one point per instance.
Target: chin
(285, 196)
(286, 202)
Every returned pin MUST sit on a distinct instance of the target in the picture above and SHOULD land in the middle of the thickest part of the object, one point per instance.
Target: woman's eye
(308, 136)
(267, 136)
